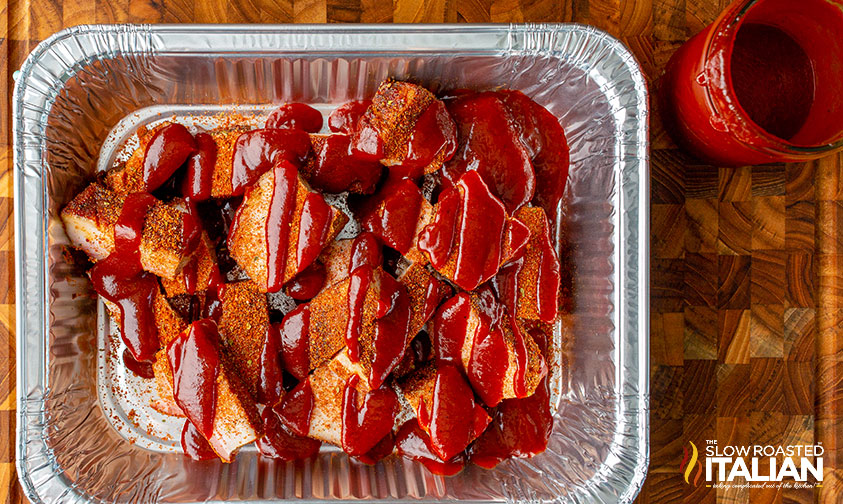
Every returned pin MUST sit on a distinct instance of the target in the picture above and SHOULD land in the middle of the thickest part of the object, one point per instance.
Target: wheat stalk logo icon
(687, 466)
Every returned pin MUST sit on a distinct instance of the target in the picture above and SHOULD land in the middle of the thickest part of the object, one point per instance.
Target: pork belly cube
(337, 256)
(236, 419)
(383, 317)
(398, 110)
(397, 214)
(445, 408)
(243, 324)
(332, 168)
(225, 139)
(247, 240)
(476, 331)
(328, 385)
(162, 246)
(471, 235)
(426, 292)
(169, 325)
(128, 177)
(89, 220)
(530, 284)
(200, 273)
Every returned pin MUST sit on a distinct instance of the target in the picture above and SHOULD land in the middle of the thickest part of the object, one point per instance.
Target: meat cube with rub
(398, 111)
(445, 408)
(243, 323)
(236, 421)
(89, 221)
(500, 359)
(248, 240)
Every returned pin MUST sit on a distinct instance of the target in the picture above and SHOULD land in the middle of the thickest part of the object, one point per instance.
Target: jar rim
(720, 37)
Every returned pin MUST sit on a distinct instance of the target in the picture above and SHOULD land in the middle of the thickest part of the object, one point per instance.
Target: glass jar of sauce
(762, 84)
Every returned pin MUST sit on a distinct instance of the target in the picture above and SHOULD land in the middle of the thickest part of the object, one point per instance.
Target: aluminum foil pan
(76, 99)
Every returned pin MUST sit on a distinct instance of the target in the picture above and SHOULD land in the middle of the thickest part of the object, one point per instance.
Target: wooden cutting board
(747, 264)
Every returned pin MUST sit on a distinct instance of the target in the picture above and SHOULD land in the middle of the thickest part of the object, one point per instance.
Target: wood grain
(746, 284)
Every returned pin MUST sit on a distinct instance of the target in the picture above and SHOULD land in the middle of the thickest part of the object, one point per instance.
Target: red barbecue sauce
(366, 249)
(437, 238)
(314, 226)
(384, 448)
(282, 207)
(508, 289)
(363, 426)
(358, 286)
(450, 326)
(392, 214)
(544, 138)
(279, 442)
(775, 91)
(307, 284)
(119, 278)
(365, 142)
(392, 328)
(270, 373)
(345, 118)
(168, 149)
(194, 445)
(454, 419)
(414, 443)
(433, 133)
(194, 358)
(479, 234)
(486, 369)
(295, 408)
(142, 369)
(295, 341)
(199, 178)
(489, 143)
(295, 116)
(519, 427)
(257, 151)
(336, 168)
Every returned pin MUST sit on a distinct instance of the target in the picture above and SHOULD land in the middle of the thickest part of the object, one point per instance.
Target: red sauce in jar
(295, 116)
(773, 79)
(194, 358)
(168, 149)
(365, 425)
